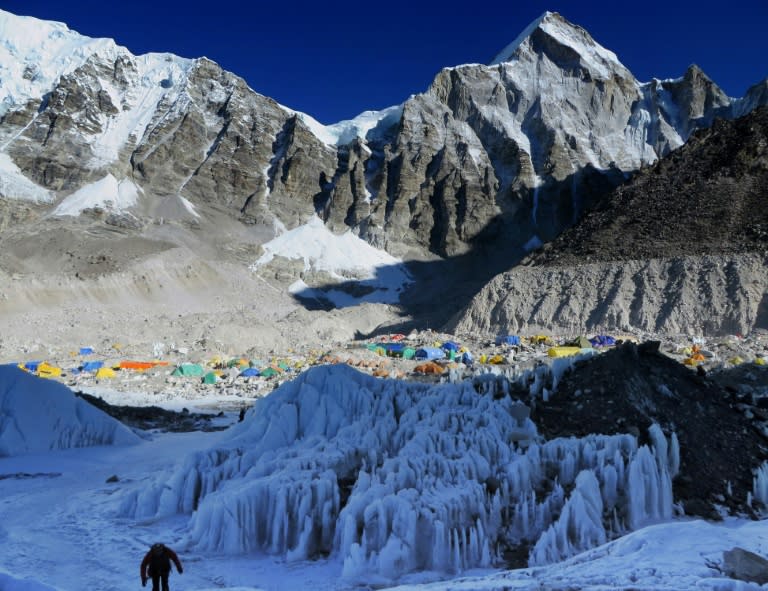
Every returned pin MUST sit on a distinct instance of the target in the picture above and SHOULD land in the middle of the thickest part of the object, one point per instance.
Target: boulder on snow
(745, 566)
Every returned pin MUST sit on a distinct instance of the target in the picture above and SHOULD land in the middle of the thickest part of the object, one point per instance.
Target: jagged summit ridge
(565, 35)
(509, 153)
(34, 53)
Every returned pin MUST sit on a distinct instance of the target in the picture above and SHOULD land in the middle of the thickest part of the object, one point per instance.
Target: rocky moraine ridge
(680, 249)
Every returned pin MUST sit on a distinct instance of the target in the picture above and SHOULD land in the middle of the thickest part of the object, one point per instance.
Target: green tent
(409, 353)
(210, 378)
(269, 372)
(189, 370)
(581, 341)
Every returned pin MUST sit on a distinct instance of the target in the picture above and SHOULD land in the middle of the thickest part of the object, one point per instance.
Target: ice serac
(391, 477)
(37, 416)
(506, 154)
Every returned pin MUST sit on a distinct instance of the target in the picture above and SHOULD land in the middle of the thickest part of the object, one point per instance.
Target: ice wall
(393, 477)
(38, 415)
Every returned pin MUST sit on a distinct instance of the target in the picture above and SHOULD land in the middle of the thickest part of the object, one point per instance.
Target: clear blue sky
(338, 58)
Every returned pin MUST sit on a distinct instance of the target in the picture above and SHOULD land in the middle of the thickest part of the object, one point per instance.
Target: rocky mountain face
(509, 152)
(682, 248)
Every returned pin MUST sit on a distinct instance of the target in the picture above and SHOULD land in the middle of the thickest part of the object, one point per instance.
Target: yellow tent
(45, 370)
(563, 351)
(105, 372)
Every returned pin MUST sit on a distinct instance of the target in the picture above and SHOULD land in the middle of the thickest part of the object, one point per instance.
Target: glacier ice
(760, 484)
(39, 415)
(391, 477)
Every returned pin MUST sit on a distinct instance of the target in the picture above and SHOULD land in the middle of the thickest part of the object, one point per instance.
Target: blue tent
(394, 349)
(92, 365)
(86, 351)
(430, 353)
(602, 341)
(32, 365)
(250, 372)
(467, 358)
(450, 346)
(508, 340)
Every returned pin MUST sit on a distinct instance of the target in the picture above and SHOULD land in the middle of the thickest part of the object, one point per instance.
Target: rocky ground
(682, 247)
(706, 198)
(720, 418)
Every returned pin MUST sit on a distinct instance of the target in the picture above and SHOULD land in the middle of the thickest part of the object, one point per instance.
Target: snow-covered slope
(392, 477)
(37, 415)
(35, 53)
(337, 258)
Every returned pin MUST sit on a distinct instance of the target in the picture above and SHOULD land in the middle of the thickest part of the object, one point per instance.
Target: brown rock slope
(720, 428)
(708, 197)
(682, 248)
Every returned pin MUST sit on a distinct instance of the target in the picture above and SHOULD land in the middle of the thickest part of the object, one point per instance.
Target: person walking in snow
(157, 566)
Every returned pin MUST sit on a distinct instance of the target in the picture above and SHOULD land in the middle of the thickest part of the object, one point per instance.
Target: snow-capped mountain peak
(34, 53)
(567, 38)
(529, 137)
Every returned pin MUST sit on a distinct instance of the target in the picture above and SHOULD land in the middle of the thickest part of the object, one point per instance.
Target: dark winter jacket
(158, 562)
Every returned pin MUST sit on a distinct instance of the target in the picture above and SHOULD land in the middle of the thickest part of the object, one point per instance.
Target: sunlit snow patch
(366, 126)
(14, 185)
(107, 193)
(35, 53)
(38, 415)
(356, 265)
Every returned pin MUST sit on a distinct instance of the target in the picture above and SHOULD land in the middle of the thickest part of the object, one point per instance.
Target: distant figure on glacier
(157, 566)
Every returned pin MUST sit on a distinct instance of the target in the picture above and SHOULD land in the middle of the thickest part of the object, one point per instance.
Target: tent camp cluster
(437, 354)
(420, 354)
(85, 366)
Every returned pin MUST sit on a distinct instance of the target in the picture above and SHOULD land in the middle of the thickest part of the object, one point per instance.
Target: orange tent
(429, 367)
(141, 365)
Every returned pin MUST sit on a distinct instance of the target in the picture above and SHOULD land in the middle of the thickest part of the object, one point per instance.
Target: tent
(45, 370)
(30, 365)
(92, 365)
(391, 349)
(429, 353)
(210, 378)
(250, 372)
(581, 342)
(409, 353)
(602, 340)
(269, 372)
(137, 365)
(105, 372)
(450, 346)
(508, 340)
(430, 367)
(86, 350)
(189, 370)
(565, 351)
